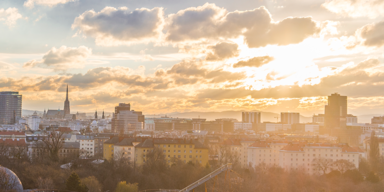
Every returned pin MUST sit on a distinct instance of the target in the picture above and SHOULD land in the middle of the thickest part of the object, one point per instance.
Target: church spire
(67, 109)
(103, 115)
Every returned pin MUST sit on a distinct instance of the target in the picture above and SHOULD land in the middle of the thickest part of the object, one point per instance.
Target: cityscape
(185, 96)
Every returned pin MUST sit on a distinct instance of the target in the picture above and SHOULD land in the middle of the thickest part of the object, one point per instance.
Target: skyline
(169, 56)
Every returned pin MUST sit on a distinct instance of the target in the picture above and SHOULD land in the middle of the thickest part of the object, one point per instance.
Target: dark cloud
(211, 22)
(113, 26)
(222, 51)
(373, 34)
(62, 59)
(254, 62)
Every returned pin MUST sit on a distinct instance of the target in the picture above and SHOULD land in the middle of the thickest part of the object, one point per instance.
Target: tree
(53, 143)
(45, 183)
(124, 187)
(343, 165)
(372, 177)
(374, 153)
(354, 175)
(322, 164)
(92, 184)
(74, 184)
(228, 155)
(155, 161)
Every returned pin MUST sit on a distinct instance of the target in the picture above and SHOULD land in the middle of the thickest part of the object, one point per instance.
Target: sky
(166, 56)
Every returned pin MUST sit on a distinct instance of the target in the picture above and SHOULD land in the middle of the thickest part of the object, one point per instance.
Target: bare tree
(228, 155)
(53, 143)
(322, 164)
(45, 183)
(343, 165)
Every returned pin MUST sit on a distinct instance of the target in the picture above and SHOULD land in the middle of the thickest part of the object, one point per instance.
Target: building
(377, 120)
(290, 118)
(242, 126)
(10, 107)
(186, 150)
(319, 119)
(251, 117)
(149, 125)
(302, 156)
(273, 127)
(34, 121)
(351, 119)
(87, 145)
(99, 143)
(335, 113)
(125, 120)
(307, 127)
(125, 148)
(67, 109)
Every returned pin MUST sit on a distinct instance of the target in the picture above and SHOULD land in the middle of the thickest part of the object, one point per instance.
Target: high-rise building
(251, 117)
(335, 112)
(10, 107)
(67, 109)
(124, 120)
(290, 118)
(377, 120)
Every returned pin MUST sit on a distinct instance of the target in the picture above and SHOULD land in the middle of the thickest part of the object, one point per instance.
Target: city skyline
(161, 61)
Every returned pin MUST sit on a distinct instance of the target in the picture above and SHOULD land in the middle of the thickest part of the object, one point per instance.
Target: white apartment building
(302, 156)
(149, 125)
(125, 149)
(87, 145)
(34, 121)
(265, 152)
(242, 126)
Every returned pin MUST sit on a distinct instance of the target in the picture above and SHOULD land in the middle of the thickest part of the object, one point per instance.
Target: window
(179, 146)
(185, 156)
(179, 151)
(165, 146)
(190, 151)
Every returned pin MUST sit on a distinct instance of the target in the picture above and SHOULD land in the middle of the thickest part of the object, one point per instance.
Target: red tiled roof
(13, 142)
(293, 147)
(11, 133)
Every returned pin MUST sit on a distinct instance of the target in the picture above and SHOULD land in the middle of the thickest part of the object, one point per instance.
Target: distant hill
(265, 116)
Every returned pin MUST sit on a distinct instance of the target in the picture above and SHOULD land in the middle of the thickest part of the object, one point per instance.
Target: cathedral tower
(67, 109)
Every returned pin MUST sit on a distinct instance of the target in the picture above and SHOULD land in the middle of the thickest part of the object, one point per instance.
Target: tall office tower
(67, 109)
(335, 113)
(10, 107)
(290, 118)
(251, 117)
(124, 120)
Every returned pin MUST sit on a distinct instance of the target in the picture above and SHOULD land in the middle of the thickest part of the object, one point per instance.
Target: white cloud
(49, 3)
(10, 16)
(62, 59)
(356, 8)
(113, 26)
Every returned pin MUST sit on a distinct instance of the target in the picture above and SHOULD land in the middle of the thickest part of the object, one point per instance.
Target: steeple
(67, 109)
(103, 115)
(96, 114)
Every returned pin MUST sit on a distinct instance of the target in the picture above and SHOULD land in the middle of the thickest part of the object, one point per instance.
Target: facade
(34, 121)
(319, 119)
(149, 125)
(124, 120)
(335, 113)
(377, 120)
(125, 149)
(273, 127)
(351, 119)
(87, 145)
(242, 126)
(251, 117)
(290, 118)
(10, 107)
(308, 127)
(302, 156)
(174, 149)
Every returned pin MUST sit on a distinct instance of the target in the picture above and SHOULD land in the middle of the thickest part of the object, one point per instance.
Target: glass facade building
(10, 107)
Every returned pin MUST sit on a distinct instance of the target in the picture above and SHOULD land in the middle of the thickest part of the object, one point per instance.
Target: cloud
(254, 62)
(10, 16)
(113, 26)
(212, 22)
(191, 72)
(356, 8)
(372, 34)
(49, 3)
(222, 51)
(62, 59)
